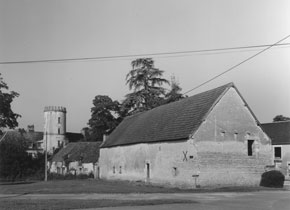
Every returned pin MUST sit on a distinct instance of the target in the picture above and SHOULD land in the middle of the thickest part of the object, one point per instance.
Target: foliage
(8, 119)
(69, 176)
(146, 82)
(104, 117)
(13, 157)
(175, 93)
(15, 162)
(272, 179)
(280, 118)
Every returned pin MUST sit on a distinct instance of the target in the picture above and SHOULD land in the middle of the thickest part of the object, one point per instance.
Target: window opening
(120, 171)
(58, 130)
(277, 152)
(174, 171)
(147, 170)
(59, 120)
(250, 147)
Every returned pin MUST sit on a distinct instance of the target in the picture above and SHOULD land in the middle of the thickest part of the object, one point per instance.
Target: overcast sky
(57, 29)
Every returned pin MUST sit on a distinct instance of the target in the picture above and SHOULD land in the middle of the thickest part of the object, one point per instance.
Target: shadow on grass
(15, 182)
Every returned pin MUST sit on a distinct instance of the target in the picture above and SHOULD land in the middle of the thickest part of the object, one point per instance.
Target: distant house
(212, 138)
(279, 132)
(76, 158)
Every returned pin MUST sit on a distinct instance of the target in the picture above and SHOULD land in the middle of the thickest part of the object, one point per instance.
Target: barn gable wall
(222, 142)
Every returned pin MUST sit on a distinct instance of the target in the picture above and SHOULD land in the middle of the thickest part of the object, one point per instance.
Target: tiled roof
(173, 121)
(88, 152)
(279, 132)
(30, 136)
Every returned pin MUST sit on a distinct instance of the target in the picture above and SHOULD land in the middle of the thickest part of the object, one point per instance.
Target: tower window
(58, 130)
(58, 120)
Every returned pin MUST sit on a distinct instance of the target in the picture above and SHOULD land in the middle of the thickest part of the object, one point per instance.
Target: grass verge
(32, 204)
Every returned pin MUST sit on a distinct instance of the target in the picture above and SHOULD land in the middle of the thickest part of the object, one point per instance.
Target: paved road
(264, 200)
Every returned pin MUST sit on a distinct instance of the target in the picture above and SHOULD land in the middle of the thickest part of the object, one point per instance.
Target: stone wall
(224, 140)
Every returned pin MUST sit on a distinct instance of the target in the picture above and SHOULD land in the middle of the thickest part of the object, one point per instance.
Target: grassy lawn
(92, 186)
(102, 186)
(78, 204)
(81, 186)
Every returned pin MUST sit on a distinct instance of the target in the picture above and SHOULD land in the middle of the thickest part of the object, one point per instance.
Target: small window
(174, 171)
(59, 120)
(277, 152)
(120, 171)
(114, 170)
(250, 147)
(58, 130)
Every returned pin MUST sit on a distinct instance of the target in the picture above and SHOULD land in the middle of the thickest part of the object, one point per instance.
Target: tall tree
(8, 119)
(146, 82)
(175, 93)
(280, 118)
(104, 117)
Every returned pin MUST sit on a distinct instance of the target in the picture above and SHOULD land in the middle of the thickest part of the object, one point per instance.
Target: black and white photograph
(144, 104)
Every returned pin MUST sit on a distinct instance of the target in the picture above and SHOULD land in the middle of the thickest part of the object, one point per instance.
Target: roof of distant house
(87, 152)
(30, 136)
(170, 122)
(279, 132)
(34, 136)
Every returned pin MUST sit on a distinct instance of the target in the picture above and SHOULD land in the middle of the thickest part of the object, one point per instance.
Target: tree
(175, 93)
(104, 117)
(146, 82)
(13, 156)
(280, 118)
(8, 119)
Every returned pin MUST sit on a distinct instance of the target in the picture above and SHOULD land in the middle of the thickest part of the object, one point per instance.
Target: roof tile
(172, 121)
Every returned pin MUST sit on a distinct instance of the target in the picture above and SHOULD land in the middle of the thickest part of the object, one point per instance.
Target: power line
(235, 66)
(176, 53)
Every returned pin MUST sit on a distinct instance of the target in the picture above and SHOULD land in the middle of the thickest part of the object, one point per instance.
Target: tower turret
(54, 127)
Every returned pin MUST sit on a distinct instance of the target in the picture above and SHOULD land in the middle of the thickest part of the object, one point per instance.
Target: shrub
(68, 176)
(272, 179)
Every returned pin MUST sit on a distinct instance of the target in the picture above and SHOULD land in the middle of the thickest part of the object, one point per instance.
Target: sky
(61, 29)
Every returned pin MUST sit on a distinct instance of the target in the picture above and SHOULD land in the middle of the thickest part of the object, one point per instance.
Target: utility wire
(235, 66)
(177, 53)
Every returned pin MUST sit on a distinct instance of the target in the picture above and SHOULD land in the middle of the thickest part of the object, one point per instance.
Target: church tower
(54, 127)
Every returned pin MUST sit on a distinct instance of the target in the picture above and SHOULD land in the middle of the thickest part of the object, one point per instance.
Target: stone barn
(210, 139)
